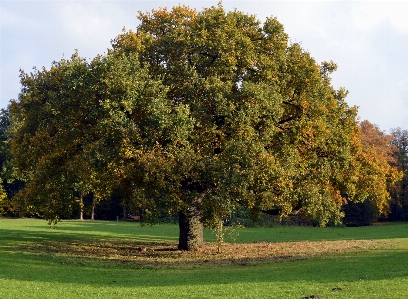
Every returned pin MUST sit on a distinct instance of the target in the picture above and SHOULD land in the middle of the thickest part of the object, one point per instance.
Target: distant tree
(195, 113)
(372, 137)
(4, 157)
(360, 213)
(399, 205)
(10, 184)
(379, 150)
(110, 208)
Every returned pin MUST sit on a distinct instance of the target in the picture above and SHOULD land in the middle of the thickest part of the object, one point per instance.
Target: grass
(121, 259)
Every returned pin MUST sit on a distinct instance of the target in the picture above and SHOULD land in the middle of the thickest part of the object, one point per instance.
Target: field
(124, 260)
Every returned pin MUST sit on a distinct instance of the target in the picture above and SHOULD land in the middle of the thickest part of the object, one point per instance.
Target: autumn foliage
(377, 177)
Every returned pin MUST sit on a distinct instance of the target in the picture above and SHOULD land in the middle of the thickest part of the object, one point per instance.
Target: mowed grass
(122, 259)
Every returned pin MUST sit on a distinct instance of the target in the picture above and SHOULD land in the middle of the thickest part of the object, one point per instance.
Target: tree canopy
(399, 205)
(194, 113)
(72, 127)
(379, 175)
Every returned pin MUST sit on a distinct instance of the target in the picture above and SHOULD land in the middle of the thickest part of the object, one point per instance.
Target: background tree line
(198, 115)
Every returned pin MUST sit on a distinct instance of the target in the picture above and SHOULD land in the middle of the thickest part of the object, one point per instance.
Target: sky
(367, 39)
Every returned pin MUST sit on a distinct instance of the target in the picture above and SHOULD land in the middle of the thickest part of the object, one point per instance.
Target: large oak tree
(194, 113)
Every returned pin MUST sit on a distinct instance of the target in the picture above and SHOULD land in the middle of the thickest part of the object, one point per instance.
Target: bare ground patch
(166, 254)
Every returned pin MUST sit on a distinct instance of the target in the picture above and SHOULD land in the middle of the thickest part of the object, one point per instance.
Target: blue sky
(367, 39)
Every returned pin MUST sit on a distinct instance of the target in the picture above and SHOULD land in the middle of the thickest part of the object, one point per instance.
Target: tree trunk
(93, 212)
(81, 211)
(191, 230)
(92, 194)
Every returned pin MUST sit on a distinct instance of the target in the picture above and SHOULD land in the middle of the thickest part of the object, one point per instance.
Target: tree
(399, 205)
(270, 133)
(195, 113)
(4, 157)
(378, 149)
(372, 137)
(10, 183)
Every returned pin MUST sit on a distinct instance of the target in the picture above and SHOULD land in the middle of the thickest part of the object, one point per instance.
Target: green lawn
(36, 262)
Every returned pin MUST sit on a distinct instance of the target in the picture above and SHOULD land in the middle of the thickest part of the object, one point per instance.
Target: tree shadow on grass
(345, 268)
(65, 256)
(167, 232)
(89, 230)
(150, 251)
(62, 258)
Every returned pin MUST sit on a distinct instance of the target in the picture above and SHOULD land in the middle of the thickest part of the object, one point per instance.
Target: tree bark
(93, 212)
(81, 211)
(191, 230)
